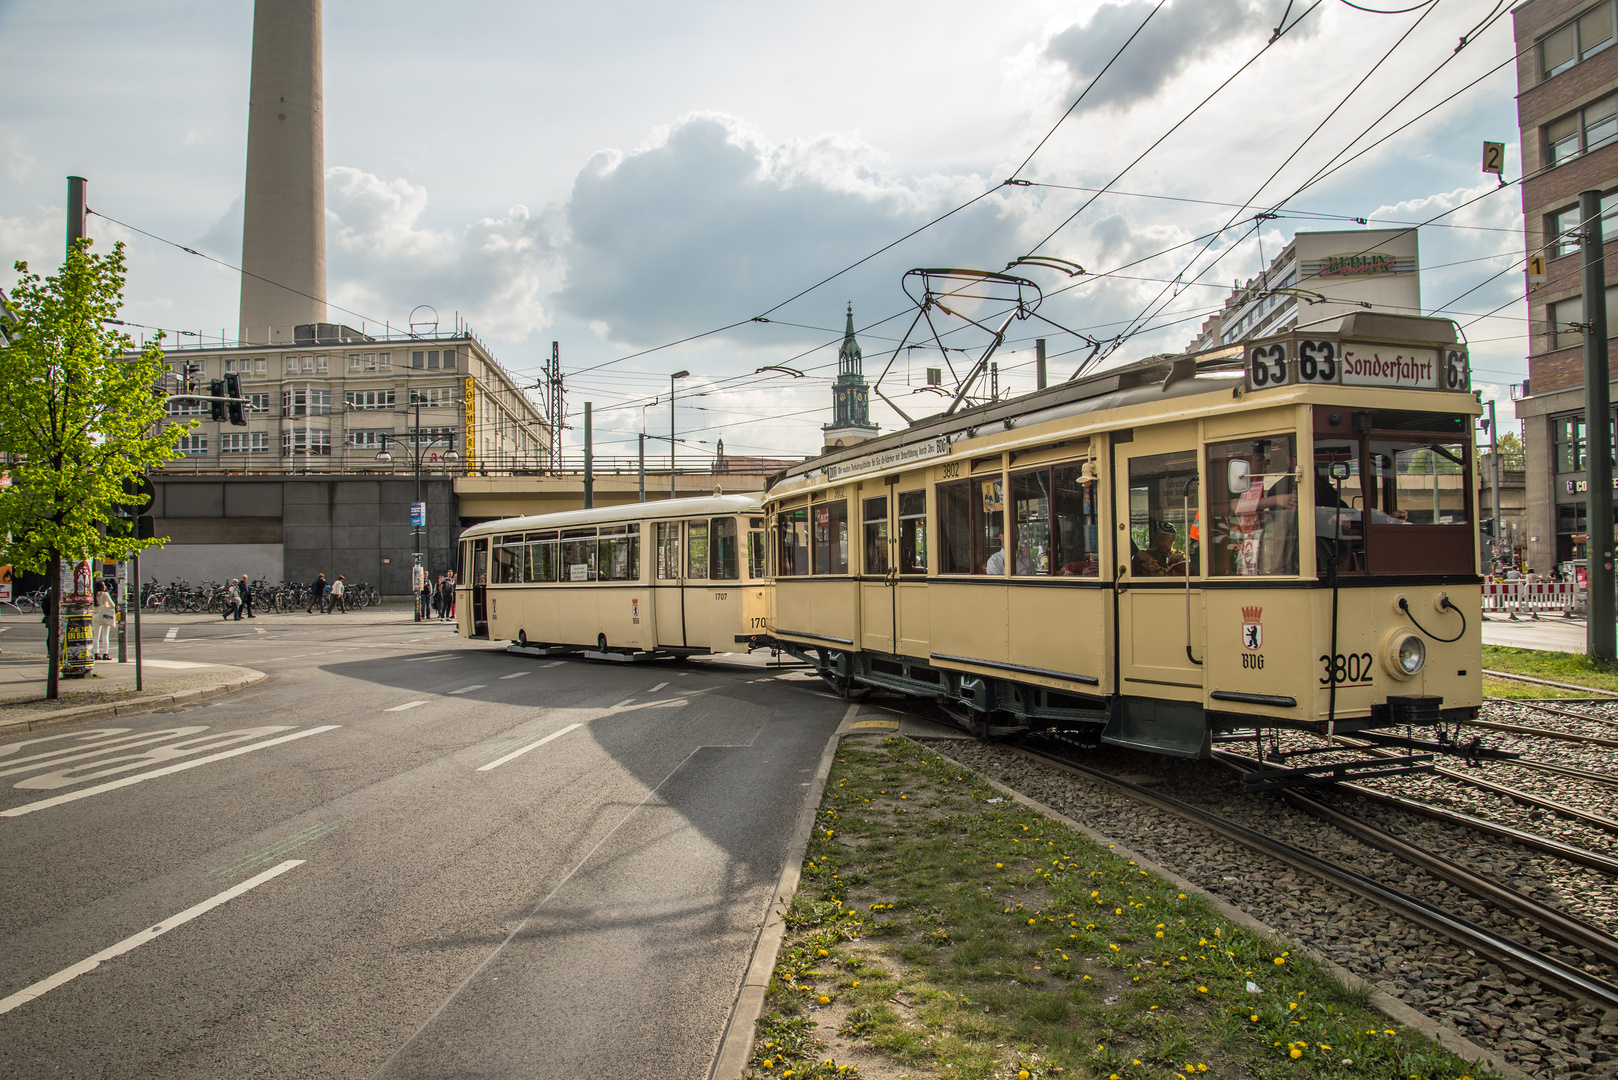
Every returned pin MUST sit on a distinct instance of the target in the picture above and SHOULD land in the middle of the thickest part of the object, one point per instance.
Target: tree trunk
(53, 625)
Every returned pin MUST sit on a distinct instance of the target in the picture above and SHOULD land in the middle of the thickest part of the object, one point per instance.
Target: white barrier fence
(1532, 598)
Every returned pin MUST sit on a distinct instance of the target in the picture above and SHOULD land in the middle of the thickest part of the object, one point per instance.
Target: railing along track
(1543, 968)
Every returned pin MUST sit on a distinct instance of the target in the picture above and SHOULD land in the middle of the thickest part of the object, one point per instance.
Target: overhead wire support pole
(1600, 630)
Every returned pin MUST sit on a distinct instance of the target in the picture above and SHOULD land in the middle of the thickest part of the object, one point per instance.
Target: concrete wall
(197, 563)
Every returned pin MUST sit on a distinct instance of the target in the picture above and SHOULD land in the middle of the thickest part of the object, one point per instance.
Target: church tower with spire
(851, 396)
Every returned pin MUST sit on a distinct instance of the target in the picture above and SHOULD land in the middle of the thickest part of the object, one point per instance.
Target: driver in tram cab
(1160, 559)
(996, 566)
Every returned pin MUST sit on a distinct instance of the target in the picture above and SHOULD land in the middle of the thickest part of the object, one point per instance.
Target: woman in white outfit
(106, 617)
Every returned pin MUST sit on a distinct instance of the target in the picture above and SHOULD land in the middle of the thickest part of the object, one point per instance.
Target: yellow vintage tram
(675, 577)
(1275, 535)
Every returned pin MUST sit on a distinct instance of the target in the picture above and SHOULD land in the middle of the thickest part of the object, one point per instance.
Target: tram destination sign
(888, 459)
(1327, 361)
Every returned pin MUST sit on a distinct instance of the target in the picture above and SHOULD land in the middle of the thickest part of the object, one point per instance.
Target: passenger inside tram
(1160, 559)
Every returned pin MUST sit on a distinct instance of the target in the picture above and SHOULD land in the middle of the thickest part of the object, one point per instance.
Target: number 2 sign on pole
(1494, 160)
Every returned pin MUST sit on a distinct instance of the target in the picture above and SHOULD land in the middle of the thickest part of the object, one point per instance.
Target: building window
(1565, 319)
(194, 443)
(259, 403)
(369, 399)
(230, 366)
(449, 359)
(367, 361)
(1578, 40)
(245, 442)
(418, 359)
(1562, 229)
(369, 440)
(320, 365)
(1592, 127)
(301, 440)
(258, 365)
(433, 397)
(1570, 444)
(305, 402)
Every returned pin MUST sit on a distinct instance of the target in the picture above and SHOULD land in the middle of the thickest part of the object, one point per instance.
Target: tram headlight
(1404, 654)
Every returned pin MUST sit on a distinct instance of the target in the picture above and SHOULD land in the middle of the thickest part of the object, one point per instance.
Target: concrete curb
(1441, 1033)
(737, 1040)
(133, 707)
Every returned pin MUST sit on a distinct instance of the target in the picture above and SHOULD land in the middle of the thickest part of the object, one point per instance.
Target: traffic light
(216, 407)
(236, 406)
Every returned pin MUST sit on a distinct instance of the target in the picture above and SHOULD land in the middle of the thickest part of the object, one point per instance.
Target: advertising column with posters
(78, 659)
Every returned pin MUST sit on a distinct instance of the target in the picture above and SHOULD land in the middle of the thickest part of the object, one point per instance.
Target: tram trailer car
(675, 577)
(1274, 535)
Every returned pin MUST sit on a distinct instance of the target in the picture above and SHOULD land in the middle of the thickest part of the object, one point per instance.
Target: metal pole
(641, 486)
(1494, 479)
(1039, 363)
(134, 562)
(671, 435)
(415, 453)
(76, 212)
(589, 462)
(1600, 631)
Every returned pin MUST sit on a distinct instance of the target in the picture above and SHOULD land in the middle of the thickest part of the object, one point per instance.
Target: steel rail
(1549, 682)
(1608, 720)
(1544, 968)
(1547, 733)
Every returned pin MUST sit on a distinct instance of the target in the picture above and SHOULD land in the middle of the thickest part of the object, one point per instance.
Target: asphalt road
(402, 855)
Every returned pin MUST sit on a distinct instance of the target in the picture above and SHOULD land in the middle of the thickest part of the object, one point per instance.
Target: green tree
(1511, 451)
(78, 417)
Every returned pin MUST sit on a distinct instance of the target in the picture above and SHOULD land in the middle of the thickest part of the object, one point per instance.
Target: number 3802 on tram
(1275, 535)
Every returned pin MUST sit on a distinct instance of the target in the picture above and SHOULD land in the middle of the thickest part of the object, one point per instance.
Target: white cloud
(496, 271)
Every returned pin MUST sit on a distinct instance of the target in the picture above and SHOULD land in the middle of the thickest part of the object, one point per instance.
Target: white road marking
(436, 659)
(515, 675)
(273, 659)
(175, 664)
(497, 762)
(174, 632)
(260, 630)
(656, 688)
(624, 702)
(554, 663)
(112, 785)
(406, 705)
(90, 963)
(469, 689)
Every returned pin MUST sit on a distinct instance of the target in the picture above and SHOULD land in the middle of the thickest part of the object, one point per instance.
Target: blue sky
(617, 176)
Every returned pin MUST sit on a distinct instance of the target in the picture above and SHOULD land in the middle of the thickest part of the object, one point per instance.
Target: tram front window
(1419, 481)
(1253, 507)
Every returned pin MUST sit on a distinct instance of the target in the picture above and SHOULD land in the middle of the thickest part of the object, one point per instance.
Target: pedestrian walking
(247, 598)
(317, 594)
(426, 597)
(446, 596)
(106, 616)
(451, 576)
(336, 597)
(233, 600)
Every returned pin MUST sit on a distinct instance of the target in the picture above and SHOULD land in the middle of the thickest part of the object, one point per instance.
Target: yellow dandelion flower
(1280, 961)
(1030, 922)
(999, 866)
(824, 1000)
(1160, 933)
(1296, 1053)
(1114, 948)
(1023, 1074)
(1202, 989)
(1254, 1018)
(855, 983)
(769, 1063)
(822, 952)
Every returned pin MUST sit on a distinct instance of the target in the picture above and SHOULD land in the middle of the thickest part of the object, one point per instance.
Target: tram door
(668, 602)
(480, 587)
(895, 613)
(1159, 556)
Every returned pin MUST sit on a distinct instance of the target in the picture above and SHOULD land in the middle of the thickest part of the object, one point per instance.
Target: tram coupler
(1271, 778)
(1472, 750)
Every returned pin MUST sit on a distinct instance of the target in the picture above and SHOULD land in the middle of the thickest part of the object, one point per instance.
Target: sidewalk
(1550, 633)
(110, 692)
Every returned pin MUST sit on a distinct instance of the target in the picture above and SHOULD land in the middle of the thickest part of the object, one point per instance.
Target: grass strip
(1558, 666)
(942, 930)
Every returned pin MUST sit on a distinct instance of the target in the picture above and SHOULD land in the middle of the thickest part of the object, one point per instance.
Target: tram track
(1546, 969)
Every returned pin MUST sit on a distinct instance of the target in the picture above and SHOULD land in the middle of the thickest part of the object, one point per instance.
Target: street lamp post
(677, 375)
(416, 455)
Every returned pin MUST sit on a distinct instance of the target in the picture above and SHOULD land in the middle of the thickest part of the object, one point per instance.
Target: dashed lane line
(406, 705)
(554, 663)
(90, 963)
(173, 634)
(515, 675)
(469, 689)
(497, 762)
(656, 688)
(167, 770)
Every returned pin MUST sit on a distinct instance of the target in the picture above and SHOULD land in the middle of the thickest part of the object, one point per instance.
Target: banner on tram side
(888, 459)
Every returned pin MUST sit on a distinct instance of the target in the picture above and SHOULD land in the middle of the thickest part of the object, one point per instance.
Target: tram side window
(1073, 523)
(756, 569)
(1253, 507)
(618, 553)
(696, 550)
(1163, 540)
(668, 550)
(1031, 511)
(831, 537)
(1339, 502)
(578, 554)
(506, 559)
(542, 558)
(722, 563)
(875, 512)
(972, 515)
(912, 532)
(794, 556)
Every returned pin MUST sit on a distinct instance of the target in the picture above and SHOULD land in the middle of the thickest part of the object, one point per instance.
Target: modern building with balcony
(1567, 103)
